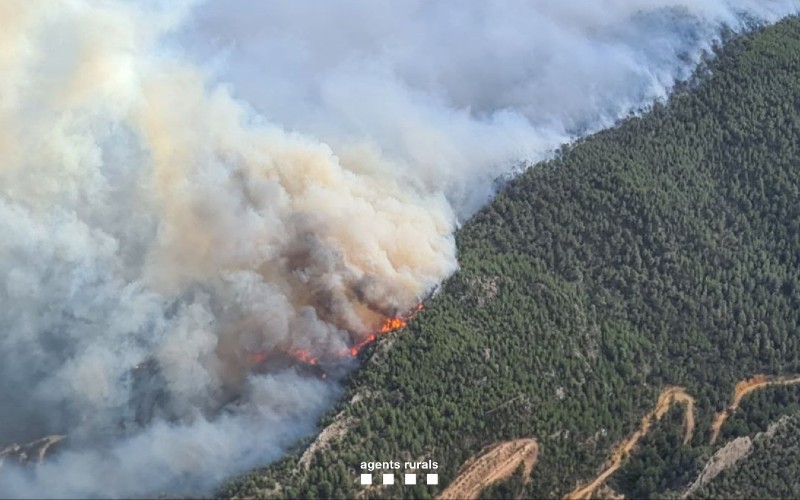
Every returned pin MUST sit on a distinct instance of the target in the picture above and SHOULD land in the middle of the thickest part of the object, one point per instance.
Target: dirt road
(742, 389)
(493, 464)
(499, 461)
(668, 397)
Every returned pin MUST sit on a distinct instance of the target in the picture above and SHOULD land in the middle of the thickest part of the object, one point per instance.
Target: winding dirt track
(668, 397)
(495, 463)
(742, 389)
(499, 461)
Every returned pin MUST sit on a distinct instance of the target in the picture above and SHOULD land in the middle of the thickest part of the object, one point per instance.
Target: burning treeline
(388, 325)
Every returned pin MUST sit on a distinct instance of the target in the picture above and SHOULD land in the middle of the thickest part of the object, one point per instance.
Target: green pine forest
(771, 470)
(664, 251)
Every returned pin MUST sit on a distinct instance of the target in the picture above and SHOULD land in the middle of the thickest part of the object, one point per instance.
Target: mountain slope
(662, 252)
(769, 470)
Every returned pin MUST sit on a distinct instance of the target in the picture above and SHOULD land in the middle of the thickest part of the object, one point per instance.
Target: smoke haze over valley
(185, 186)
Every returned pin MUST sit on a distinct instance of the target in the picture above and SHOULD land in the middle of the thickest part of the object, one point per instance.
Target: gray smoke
(185, 185)
(460, 92)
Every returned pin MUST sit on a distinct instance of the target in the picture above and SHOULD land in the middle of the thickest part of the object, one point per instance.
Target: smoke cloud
(184, 185)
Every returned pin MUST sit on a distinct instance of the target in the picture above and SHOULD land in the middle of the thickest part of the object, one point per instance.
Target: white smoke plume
(186, 184)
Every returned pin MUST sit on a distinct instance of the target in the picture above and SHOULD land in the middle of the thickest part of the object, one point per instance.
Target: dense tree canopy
(770, 470)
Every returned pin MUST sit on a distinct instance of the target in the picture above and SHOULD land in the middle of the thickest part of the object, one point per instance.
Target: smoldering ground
(185, 184)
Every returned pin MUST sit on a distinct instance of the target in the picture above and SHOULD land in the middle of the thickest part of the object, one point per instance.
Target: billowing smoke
(185, 186)
(460, 93)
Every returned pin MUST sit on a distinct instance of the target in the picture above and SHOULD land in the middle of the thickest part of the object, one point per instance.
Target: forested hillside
(663, 252)
(771, 469)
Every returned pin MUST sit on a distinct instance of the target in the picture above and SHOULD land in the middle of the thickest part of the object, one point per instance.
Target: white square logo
(410, 479)
(366, 478)
(432, 479)
(388, 479)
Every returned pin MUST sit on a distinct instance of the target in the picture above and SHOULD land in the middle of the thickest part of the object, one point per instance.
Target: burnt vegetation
(665, 251)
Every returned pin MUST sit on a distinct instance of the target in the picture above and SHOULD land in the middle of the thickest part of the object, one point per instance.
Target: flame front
(391, 324)
(304, 356)
(388, 325)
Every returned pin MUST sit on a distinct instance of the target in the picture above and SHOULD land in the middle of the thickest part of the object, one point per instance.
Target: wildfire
(356, 348)
(392, 324)
(303, 356)
(387, 326)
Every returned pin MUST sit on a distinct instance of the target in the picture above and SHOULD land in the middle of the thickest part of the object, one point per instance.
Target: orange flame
(303, 356)
(387, 326)
(391, 324)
